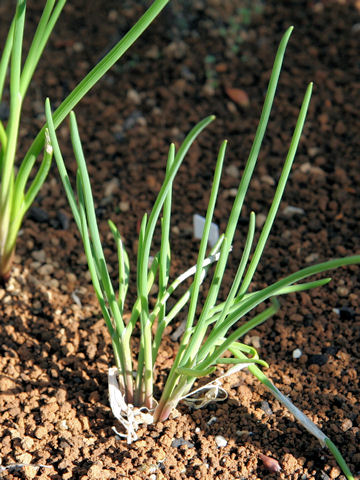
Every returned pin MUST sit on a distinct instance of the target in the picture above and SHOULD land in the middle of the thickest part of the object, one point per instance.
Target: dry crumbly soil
(55, 350)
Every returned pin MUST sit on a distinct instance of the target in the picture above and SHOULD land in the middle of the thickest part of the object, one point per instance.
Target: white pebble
(198, 229)
(220, 441)
(296, 353)
(289, 211)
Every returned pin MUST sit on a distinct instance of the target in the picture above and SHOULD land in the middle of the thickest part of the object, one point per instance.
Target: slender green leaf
(61, 166)
(6, 54)
(45, 26)
(279, 192)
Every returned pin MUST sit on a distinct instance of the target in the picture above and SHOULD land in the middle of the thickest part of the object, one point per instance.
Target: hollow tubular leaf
(200, 332)
(279, 191)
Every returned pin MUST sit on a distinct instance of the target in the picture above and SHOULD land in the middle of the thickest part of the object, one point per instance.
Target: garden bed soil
(55, 350)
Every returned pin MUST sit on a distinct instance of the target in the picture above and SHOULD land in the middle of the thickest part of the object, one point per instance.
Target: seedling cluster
(211, 338)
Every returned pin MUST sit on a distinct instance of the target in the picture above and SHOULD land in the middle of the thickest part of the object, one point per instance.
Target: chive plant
(212, 337)
(15, 195)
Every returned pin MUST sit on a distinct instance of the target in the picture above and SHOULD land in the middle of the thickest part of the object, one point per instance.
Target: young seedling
(15, 197)
(221, 324)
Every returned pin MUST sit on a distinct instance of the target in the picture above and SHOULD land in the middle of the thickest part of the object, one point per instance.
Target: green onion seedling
(15, 197)
(213, 336)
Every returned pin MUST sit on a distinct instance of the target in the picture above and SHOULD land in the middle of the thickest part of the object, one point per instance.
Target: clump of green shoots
(15, 197)
(210, 336)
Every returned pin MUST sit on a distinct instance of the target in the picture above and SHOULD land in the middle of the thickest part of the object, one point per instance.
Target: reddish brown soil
(54, 354)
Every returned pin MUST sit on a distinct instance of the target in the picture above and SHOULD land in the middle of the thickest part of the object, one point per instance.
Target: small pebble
(342, 291)
(318, 360)
(232, 171)
(232, 109)
(313, 151)
(133, 96)
(335, 473)
(314, 170)
(268, 180)
(232, 192)
(53, 283)
(38, 215)
(290, 211)
(178, 442)
(113, 15)
(220, 441)
(260, 220)
(71, 277)
(153, 52)
(39, 255)
(63, 220)
(78, 47)
(296, 353)
(312, 257)
(198, 229)
(111, 187)
(124, 206)
(346, 313)
(46, 269)
(346, 425)
(212, 420)
(243, 432)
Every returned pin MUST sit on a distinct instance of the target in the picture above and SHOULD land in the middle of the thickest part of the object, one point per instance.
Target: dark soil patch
(54, 354)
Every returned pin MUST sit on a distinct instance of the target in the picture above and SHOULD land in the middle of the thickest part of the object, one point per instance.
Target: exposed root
(212, 391)
(129, 416)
